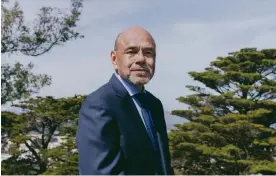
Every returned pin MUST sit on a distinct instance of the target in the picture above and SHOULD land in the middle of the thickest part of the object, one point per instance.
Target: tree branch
(50, 136)
(35, 144)
(33, 151)
(26, 51)
(43, 135)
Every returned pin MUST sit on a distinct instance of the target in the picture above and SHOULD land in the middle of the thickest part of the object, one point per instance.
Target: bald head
(132, 32)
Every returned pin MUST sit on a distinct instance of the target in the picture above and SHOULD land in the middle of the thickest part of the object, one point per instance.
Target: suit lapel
(154, 111)
(132, 113)
(129, 111)
(157, 120)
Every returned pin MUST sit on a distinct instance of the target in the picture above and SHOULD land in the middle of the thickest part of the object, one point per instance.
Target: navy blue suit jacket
(111, 137)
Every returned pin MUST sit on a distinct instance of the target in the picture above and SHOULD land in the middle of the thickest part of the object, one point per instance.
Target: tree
(51, 28)
(19, 82)
(30, 135)
(232, 118)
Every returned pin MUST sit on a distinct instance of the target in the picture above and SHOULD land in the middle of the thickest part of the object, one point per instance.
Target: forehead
(136, 40)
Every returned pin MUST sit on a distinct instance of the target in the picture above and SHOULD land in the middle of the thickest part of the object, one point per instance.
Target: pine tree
(30, 134)
(232, 117)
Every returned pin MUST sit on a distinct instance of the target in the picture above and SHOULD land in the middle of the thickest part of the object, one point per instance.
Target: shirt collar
(130, 87)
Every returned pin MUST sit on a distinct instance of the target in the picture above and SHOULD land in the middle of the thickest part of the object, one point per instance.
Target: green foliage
(19, 82)
(16, 166)
(27, 136)
(230, 129)
(47, 118)
(64, 156)
(51, 28)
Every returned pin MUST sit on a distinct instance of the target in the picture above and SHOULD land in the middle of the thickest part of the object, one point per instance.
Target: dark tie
(144, 103)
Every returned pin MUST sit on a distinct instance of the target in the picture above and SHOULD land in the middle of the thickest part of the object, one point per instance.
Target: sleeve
(98, 141)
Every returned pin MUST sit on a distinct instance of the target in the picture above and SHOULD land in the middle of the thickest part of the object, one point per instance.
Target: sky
(189, 35)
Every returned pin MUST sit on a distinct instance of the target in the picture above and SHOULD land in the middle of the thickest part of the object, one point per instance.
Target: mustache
(140, 69)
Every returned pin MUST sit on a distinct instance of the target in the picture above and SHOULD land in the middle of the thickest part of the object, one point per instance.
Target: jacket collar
(123, 87)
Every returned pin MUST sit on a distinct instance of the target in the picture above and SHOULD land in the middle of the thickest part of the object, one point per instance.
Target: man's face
(135, 58)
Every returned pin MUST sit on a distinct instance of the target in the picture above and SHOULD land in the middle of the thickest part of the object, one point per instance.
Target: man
(121, 128)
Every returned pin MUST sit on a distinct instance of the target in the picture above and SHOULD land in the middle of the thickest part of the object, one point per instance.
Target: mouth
(140, 70)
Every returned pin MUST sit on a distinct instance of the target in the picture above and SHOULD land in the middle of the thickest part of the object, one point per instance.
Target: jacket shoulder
(102, 95)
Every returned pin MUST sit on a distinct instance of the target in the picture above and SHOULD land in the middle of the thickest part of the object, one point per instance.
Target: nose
(140, 57)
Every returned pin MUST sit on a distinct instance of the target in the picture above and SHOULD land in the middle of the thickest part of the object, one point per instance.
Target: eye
(149, 53)
(131, 52)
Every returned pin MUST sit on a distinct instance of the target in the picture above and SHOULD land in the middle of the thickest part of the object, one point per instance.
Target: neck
(138, 86)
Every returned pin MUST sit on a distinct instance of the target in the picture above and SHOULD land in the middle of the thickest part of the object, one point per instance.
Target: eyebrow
(132, 47)
(136, 47)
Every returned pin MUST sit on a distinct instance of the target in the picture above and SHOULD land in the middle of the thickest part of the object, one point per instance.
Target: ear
(114, 59)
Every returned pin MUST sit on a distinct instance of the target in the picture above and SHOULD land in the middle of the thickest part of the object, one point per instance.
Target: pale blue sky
(189, 34)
